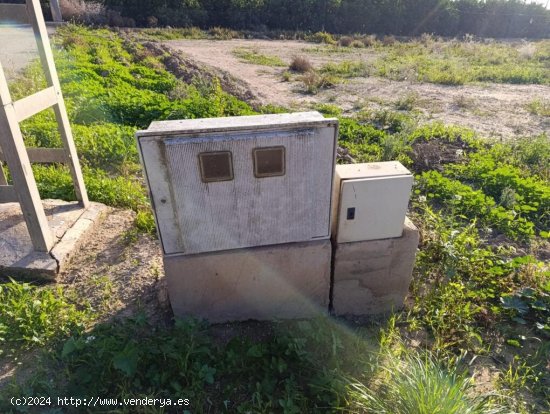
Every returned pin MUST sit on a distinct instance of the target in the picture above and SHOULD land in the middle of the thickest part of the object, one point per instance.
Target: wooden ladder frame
(13, 151)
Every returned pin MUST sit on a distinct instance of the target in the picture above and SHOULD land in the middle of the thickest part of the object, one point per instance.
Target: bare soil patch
(120, 271)
(497, 110)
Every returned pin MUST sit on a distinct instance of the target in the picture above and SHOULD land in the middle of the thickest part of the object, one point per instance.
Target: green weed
(257, 58)
(346, 69)
(539, 107)
(407, 102)
(32, 316)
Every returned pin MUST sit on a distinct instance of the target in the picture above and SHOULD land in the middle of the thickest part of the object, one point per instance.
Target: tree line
(486, 18)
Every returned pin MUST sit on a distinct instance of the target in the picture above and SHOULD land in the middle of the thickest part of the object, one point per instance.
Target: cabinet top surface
(236, 123)
(371, 170)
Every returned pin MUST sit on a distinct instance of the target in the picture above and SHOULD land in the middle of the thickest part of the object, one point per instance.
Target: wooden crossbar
(33, 104)
(8, 194)
(43, 155)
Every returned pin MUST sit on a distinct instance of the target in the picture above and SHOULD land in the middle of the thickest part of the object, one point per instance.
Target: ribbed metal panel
(249, 211)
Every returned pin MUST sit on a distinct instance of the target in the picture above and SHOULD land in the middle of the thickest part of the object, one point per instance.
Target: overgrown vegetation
(481, 287)
(498, 18)
(449, 62)
(30, 316)
(456, 63)
(112, 87)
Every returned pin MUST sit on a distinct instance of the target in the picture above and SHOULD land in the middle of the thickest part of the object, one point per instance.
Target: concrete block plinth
(373, 277)
(70, 225)
(288, 281)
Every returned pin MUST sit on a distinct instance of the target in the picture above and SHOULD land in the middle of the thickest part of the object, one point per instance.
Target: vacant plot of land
(479, 304)
(493, 109)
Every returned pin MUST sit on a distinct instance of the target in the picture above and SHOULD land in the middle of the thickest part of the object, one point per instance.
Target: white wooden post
(39, 26)
(13, 148)
(56, 11)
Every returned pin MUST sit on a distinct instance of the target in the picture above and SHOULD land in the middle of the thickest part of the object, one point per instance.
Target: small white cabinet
(370, 201)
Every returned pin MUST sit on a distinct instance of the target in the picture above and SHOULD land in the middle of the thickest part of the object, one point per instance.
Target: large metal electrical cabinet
(228, 183)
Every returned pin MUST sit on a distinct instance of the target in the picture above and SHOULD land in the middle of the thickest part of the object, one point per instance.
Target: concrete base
(373, 277)
(70, 225)
(288, 281)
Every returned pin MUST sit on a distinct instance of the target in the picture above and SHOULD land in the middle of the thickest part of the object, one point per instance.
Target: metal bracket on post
(12, 148)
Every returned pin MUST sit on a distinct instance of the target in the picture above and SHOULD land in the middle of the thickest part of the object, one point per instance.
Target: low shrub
(539, 107)
(345, 41)
(222, 33)
(358, 44)
(321, 37)
(314, 81)
(407, 102)
(300, 64)
(389, 40)
(89, 12)
(369, 41)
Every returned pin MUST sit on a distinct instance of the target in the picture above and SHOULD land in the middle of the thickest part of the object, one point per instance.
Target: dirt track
(491, 109)
(17, 47)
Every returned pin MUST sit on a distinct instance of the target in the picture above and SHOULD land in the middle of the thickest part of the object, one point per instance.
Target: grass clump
(223, 33)
(346, 69)
(407, 102)
(315, 82)
(300, 64)
(539, 107)
(418, 384)
(257, 58)
(295, 368)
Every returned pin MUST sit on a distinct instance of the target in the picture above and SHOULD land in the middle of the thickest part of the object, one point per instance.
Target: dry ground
(120, 270)
(491, 109)
(17, 47)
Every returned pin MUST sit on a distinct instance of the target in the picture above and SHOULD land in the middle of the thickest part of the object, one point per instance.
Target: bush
(357, 44)
(314, 81)
(221, 33)
(407, 101)
(321, 37)
(389, 40)
(369, 40)
(300, 64)
(83, 11)
(345, 41)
